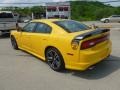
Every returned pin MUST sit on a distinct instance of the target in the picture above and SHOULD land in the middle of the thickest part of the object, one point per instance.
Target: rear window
(6, 15)
(72, 26)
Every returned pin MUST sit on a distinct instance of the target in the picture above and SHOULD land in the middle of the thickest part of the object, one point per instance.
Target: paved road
(22, 71)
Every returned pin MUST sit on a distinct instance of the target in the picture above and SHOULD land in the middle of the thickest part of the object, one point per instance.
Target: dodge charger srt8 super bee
(63, 43)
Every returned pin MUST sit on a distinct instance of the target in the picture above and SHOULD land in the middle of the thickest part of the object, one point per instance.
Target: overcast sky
(26, 1)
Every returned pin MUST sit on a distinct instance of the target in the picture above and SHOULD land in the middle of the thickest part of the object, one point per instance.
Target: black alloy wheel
(54, 59)
(14, 43)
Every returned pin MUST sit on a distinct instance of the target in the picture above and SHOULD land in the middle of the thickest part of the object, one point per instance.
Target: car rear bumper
(90, 57)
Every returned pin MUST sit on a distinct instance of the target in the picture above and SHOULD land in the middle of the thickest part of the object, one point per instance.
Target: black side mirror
(93, 26)
(18, 28)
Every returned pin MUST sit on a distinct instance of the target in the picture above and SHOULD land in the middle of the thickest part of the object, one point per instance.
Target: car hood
(105, 18)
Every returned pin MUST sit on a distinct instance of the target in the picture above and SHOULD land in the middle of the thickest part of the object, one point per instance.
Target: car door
(40, 38)
(114, 18)
(25, 36)
(118, 18)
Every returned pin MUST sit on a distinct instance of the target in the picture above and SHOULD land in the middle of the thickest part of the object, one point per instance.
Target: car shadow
(100, 70)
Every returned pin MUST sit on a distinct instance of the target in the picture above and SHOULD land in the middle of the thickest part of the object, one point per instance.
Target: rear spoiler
(91, 33)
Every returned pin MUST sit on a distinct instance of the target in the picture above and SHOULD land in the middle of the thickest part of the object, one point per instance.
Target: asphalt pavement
(22, 71)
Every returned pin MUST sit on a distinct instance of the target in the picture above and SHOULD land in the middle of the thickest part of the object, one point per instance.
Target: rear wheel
(14, 43)
(106, 21)
(54, 59)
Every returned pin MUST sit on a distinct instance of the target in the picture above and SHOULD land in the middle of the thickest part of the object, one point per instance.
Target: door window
(29, 27)
(116, 16)
(42, 28)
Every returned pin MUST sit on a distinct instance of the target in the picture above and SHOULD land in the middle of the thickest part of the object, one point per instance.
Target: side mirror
(18, 28)
(93, 26)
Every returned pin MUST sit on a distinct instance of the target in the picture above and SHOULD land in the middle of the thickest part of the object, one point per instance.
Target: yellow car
(63, 43)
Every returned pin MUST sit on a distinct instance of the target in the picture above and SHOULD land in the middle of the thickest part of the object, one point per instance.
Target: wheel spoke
(53, 65)
(50, 56)
(55, 56)
(49, 59)
(57, 63)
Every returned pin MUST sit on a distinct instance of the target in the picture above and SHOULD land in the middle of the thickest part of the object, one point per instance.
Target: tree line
(80, 10)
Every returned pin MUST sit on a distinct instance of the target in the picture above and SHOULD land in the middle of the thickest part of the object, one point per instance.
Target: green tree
(91, 10)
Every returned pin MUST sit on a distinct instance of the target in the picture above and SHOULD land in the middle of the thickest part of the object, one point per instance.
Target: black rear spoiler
(91, 33)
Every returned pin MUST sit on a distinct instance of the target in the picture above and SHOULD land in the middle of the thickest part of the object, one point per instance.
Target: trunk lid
(92, 38)
(95, 39)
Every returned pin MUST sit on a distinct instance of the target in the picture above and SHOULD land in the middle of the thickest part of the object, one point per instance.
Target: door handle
(44, 39)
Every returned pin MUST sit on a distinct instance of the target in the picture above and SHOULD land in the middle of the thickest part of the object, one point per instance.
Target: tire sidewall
(14, 43)
(62, 65)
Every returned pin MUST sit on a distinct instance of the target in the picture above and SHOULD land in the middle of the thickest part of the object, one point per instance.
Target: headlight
(102, 20)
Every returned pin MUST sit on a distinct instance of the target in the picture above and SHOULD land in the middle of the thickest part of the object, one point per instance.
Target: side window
(42, 28)
(29, 27)
(116, 16)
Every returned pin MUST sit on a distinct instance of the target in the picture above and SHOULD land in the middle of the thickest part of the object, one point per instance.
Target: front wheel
(54, 59)
(14, 43)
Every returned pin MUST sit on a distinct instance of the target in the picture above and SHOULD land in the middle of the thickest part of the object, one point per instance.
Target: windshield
(6, 15)
(72, 26)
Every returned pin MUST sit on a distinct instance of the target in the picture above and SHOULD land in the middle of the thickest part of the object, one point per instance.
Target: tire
(0, 33)
(14, 43)
(106, 21)
(54, 59)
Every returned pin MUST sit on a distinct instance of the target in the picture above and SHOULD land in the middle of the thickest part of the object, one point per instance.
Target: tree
(91, 10)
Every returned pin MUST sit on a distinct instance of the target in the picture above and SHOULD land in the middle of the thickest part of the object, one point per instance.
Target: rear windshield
(6, 15)
(72, 26)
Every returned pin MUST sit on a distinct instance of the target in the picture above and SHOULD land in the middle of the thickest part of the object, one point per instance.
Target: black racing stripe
(95, 32)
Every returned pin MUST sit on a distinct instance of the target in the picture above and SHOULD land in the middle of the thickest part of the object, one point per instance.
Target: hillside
(91, 10)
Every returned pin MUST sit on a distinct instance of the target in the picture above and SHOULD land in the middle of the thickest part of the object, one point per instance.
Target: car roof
(5, 11)
(47, 20)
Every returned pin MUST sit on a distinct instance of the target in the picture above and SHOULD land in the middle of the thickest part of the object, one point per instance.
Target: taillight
(92, 42)
(75, 44)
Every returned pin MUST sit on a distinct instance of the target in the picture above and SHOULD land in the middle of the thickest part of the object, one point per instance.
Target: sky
(26, 1)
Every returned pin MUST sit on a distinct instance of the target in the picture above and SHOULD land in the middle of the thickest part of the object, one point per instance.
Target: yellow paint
(36, 43)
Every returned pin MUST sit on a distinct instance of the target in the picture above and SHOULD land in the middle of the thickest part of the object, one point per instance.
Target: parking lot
(22, 71)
